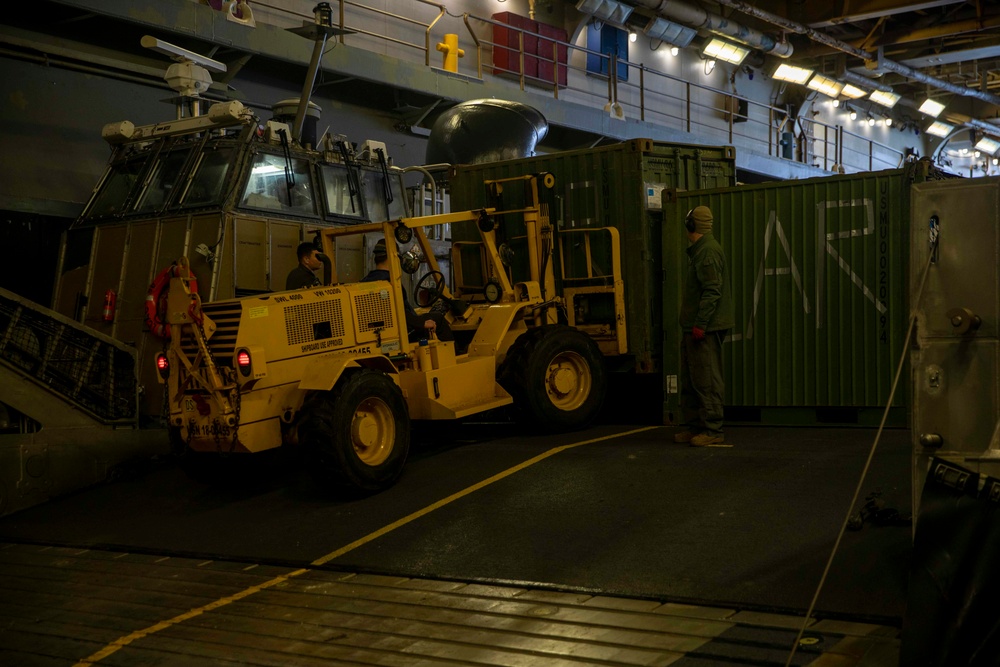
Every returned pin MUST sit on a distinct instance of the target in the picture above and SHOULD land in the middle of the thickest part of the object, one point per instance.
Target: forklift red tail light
(163, 365)
(243, 362)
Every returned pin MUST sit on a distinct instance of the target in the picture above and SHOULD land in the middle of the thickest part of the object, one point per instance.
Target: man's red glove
(697, 334)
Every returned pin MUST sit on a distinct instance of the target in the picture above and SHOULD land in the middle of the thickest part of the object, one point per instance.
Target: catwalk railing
(625, 89)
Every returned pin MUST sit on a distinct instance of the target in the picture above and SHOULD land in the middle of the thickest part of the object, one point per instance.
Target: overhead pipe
(990, 128)
(862, 81)
(697, 17)
(885, 65)
(882, 64)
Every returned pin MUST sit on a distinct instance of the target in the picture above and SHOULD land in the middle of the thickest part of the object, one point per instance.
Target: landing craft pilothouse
(219, 185)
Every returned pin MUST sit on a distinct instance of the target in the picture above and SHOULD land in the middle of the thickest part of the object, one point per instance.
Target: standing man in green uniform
(706, 317)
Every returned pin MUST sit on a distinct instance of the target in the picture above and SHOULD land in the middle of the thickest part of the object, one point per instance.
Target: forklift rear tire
(556, 376)
(357, 436)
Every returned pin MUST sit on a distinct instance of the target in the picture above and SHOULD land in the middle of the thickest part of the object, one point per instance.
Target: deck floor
(65, 606)
(612, 546)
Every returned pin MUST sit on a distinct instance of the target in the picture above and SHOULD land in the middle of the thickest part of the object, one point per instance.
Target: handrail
(828, 146)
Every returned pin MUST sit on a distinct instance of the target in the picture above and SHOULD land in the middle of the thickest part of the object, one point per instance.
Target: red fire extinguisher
(109, 305)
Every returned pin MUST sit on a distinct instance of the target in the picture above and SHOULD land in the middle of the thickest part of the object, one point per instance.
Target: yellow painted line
(122, 642)
(461, 494)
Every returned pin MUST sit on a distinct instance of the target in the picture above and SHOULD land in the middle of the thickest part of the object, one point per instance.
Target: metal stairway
(68, 405)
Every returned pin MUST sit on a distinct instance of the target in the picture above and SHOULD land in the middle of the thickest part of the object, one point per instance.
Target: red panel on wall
(509, 59)
(552, 55)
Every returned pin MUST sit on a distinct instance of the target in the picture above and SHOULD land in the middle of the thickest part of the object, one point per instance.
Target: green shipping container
(818, 271)
(616, 187)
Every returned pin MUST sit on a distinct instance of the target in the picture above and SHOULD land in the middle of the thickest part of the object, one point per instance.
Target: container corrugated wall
(818, 275)
(613, 186)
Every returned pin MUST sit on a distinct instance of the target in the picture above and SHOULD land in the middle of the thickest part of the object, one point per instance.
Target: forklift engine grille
(374, 310)
(226, 315)
(307, 322)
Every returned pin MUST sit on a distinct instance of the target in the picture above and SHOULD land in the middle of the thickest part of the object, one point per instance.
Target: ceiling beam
(825, 14)
(875, 61)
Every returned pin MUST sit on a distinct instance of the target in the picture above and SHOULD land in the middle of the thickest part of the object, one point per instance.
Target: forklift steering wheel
(432, 287)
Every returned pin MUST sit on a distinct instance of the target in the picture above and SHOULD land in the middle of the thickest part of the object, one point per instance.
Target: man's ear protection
(689, 221)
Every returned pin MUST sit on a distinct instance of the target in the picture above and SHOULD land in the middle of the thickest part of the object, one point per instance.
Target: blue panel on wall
(608, 40)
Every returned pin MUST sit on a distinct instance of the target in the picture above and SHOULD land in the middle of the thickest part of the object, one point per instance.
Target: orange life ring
(157, 294)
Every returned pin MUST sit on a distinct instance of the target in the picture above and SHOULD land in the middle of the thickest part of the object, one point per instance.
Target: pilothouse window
(341, 197)
(277, 185)
(377, 192)
(164, 181)
(116, 188)
(209, 177)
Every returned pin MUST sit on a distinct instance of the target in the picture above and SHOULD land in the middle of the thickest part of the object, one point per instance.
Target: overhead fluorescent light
(931, 108)
(669, 32)
(792, 73)
(722, 50)
(853, 92)
(988, 145)
(939, 129)
(609, 11)
(885, 99)
(826, 85)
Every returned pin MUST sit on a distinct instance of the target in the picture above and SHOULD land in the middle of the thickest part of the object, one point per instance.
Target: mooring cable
(871, 454)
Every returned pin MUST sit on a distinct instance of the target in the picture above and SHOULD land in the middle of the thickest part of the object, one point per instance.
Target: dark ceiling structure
(946, 50)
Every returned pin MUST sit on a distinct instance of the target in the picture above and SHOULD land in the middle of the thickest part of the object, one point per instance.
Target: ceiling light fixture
(709, 66)
(726, 51)
(632, 36)
(827, 86)
(609, 11)
(674, 51)
(939, 129)
(669, 32)
(885, 99)
(853, 92)
(988, 145)
(871, 121)
(854, 114)
(931, 108)
(888, 121)
(791, 73)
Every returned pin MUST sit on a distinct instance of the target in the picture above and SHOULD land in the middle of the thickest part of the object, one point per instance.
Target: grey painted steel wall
(956, 371)
(818, 274)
